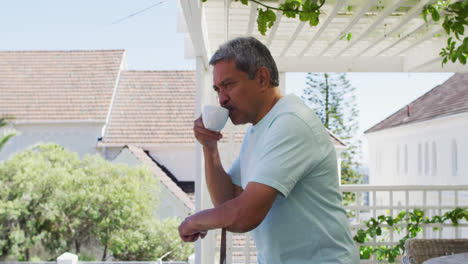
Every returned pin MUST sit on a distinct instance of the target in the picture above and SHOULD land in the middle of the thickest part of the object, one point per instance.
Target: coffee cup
(214, 117)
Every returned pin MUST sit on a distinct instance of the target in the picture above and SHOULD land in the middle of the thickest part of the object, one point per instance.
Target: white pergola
(387, 36)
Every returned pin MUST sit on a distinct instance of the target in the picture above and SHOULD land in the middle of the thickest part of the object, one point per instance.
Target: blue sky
(151, 42)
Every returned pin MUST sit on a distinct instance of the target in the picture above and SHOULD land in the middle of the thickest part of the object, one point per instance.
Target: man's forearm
(218, 181)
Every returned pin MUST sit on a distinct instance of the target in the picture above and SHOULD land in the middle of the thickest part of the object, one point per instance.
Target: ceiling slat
(415, 11)
(272, 33)
(356, 18)
(293, 38)
(384, 14)
(332, 15)
(423, 26)
(252, 20)
(427, 63)
(428, 36)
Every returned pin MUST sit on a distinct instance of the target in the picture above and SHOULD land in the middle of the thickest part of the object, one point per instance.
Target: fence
(372, 201)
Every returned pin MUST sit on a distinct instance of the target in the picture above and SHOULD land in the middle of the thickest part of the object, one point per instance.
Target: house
(424, 142)
(89, 102)
(58, 96)
(66, 97)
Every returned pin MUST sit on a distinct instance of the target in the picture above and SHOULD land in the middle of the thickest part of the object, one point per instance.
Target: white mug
(214, 117)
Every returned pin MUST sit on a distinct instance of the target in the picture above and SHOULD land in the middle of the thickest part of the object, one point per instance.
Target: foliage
(7, 136)
(455, 18)
(414, 220)
(53, 198)
(152, 240)
(332, 97)
(307, 10)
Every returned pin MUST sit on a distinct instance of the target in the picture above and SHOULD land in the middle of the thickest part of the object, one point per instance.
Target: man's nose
(223, 98)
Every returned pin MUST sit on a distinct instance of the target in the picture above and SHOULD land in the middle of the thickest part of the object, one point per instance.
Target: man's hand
(206, 137)
(188, 233)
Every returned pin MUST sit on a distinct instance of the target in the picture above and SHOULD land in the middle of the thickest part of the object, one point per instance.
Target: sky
(151, 42)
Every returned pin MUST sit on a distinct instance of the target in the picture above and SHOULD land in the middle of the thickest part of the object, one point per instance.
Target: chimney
(408, 110)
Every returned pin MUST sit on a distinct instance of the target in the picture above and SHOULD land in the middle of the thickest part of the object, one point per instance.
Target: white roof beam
(384, 14)
(429, 21)
(427, 63)
(356, 18)
(252, 18)
(193, 12)
(293, 38)
(272, 34)
(227, 5)
(332, 15)
(415, 11)
(428, 36)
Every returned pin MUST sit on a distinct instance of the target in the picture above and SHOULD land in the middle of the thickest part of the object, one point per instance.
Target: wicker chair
(420, 250)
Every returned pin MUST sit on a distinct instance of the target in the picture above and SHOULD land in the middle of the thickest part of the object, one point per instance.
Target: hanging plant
(455, 19)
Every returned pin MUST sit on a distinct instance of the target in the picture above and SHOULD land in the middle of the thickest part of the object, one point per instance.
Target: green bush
(51, 197)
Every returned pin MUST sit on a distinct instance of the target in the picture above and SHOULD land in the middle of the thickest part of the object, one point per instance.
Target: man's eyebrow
(223, 83)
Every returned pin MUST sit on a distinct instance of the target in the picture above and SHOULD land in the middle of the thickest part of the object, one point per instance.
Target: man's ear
(263, 77)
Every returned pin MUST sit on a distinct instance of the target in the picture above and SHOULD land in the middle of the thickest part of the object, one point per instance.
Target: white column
(282, 82)
(205, 248)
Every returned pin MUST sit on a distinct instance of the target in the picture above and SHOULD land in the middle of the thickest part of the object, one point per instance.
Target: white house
(425, 142)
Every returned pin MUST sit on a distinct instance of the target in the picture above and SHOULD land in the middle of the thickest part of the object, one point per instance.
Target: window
(426, 158)
(434, 158)
(398, 159)
(419, 158)
(405, 161)
(454, 158)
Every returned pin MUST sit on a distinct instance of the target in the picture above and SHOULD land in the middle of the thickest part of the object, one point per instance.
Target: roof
(164, 179)
(447, 99)
(152, 107)
(58, 85)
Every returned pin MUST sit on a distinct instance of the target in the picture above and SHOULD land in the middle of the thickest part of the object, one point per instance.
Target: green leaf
(245, 2)
(348, 36)
(435, 14)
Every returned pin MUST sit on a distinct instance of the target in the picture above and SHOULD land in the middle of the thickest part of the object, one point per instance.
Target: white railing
(372, 201)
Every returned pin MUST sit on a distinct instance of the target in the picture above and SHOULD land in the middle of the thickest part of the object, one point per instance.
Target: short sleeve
(234, 172)
(289, 151)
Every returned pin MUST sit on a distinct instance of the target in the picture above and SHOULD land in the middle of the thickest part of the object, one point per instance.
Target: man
(284, 185)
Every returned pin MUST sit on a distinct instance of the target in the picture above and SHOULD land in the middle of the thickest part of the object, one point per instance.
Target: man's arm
(218, 181)
(240, 214)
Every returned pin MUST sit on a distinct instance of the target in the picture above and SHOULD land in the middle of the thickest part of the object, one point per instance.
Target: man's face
(236, 92)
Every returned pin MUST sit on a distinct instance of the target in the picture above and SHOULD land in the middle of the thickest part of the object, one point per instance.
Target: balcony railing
(372, 201)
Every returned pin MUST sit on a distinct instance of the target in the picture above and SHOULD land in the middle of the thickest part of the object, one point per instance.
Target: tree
(332, 97)
(51, 197)
(7, 136)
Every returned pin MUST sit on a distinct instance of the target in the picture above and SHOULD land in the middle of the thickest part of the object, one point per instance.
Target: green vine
(307, 10)
(455, 20)
(414, 220)
(454, 15)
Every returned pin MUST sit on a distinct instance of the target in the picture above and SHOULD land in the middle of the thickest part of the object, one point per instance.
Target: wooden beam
(424, 25)
(272, 34)
(384, 14)
(415, 11)
(197, 29)
(332, 15)
(252, 20)
(428, 36)
(293, 37)
(356, 18)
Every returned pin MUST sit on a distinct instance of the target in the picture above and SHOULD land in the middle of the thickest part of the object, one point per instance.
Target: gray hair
(249, 54)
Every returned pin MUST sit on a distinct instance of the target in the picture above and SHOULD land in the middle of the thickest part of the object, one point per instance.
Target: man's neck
(269, 102)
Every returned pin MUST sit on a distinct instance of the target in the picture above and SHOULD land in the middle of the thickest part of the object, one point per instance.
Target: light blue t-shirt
(290, 150)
